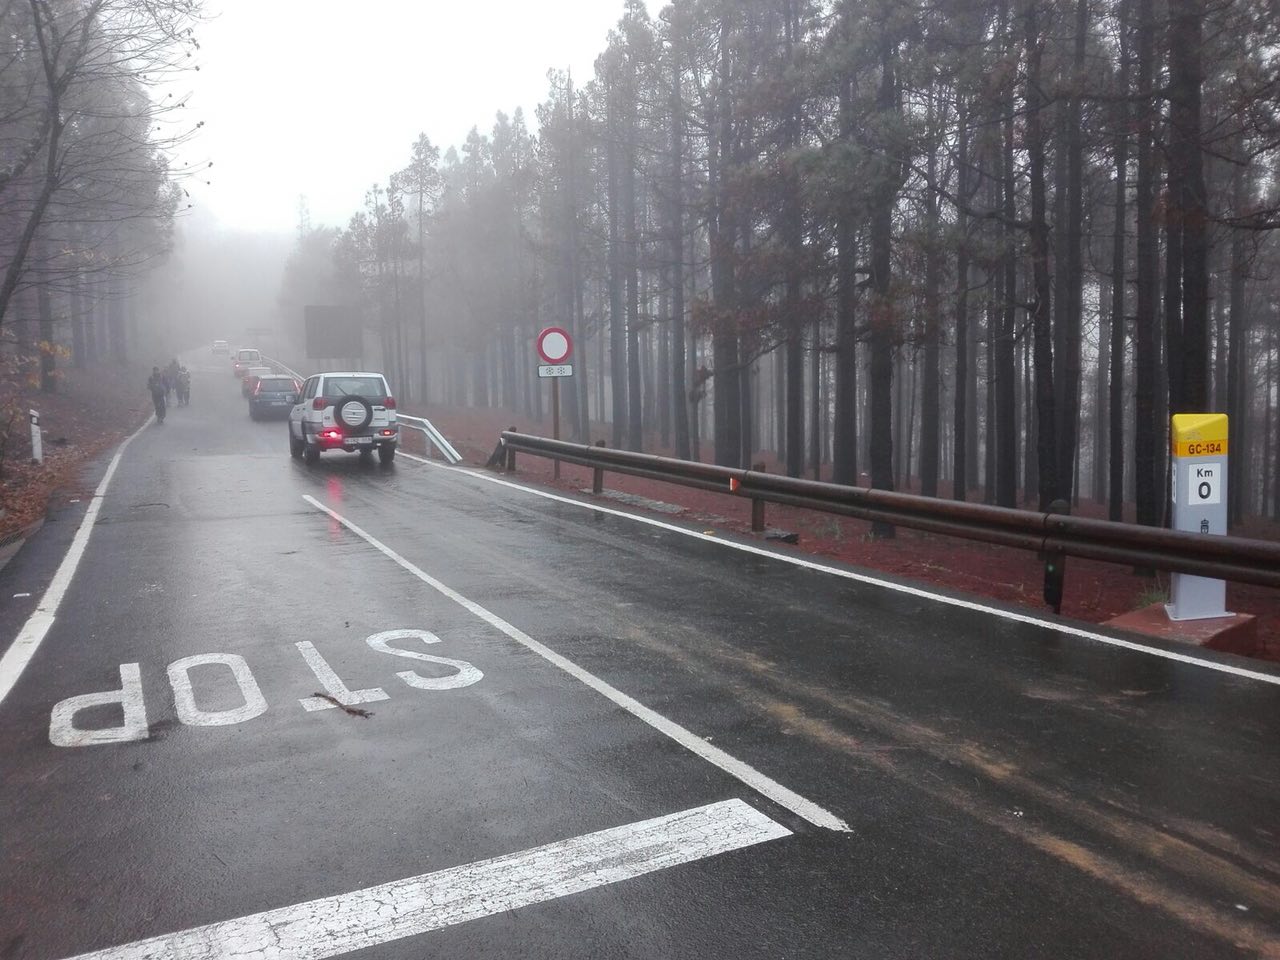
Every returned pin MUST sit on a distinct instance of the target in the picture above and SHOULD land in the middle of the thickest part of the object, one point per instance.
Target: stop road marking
(63, 731)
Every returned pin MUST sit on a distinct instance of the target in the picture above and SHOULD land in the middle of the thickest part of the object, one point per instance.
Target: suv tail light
(257, 388)
(389, 403)
(319, 403)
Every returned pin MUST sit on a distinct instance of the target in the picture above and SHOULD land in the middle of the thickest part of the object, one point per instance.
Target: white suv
(344, 411)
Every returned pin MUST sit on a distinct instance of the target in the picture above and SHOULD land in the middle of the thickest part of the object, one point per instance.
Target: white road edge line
(1026, 618)
(753, 778)
(366, 918)
(28, 640)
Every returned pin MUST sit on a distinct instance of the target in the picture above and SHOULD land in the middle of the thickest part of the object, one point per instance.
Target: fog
(219, 282)
(303, 107)
(307, 98)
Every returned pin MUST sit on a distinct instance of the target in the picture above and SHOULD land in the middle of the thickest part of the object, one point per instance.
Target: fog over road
(588, 735)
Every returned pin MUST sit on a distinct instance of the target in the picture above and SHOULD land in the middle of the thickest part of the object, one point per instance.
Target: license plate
(359, 440)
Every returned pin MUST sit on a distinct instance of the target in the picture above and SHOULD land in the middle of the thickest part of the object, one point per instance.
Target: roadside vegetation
(979, 250)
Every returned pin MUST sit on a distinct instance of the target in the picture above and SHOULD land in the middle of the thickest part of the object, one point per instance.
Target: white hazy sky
(322, 98)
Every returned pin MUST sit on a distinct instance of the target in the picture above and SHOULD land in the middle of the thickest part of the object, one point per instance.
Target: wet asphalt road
(1010, 790)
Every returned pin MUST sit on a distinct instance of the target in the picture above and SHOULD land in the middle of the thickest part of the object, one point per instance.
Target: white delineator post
(37, 445)
(1198, 444)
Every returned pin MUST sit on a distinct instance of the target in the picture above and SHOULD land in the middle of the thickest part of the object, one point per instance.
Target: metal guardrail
(1222, 557)
(288, 371)
(433, 436)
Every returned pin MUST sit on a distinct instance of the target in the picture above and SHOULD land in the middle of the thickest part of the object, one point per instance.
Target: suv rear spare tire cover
(354, 413)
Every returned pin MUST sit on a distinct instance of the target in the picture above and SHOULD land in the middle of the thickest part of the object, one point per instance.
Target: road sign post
(1198, 443)
(555, 347)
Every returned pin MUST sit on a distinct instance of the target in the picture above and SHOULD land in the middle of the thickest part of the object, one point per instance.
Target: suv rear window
(248, 355)
(368, 387)
(276, 385)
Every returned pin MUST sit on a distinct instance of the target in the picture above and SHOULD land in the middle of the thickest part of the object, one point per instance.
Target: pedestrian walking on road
(156, 384)
(170, 376)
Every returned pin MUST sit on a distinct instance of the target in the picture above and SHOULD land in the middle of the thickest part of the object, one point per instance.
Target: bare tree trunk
(960, 416)
(1026, 427)
(1146, 352)
(617, 320)
(1068, 418)
(1189, 251)
(79, 308)
(631, 248)
(44, 307)
(1041, 327)
(679, 384)
(815, 401)
(1116, 456)
(992, 423)
(845, 442)
(1237, 334)
(883, 321)
(930, 412)
(662, 388)
(1275, 444)
(1098, 485)
(1006, 431)
(721, 234)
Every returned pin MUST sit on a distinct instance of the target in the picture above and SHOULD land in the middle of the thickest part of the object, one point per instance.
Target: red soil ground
(1095, 592)
(92, 411)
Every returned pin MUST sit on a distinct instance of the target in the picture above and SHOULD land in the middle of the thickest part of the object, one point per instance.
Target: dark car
(272, 396)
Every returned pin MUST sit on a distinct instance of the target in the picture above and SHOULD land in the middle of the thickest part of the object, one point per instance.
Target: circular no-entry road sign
(555, 345)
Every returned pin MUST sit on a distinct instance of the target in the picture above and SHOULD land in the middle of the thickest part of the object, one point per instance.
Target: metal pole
(555, 419)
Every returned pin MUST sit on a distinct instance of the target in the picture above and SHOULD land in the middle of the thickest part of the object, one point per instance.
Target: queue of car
(353, 411)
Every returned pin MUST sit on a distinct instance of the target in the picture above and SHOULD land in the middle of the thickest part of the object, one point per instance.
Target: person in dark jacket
(156, 384)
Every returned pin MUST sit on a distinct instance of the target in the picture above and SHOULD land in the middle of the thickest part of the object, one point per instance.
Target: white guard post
(37, 445)
(1198, 444)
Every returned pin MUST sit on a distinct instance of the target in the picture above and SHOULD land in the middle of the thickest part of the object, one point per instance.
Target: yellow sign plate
(1198, 434)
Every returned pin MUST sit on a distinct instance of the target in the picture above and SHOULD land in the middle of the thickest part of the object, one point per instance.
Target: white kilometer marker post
(392, 911)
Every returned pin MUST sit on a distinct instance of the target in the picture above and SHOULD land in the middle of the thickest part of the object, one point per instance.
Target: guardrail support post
(597, 475)
(757, 506)
(511, 457)
(1055, 565)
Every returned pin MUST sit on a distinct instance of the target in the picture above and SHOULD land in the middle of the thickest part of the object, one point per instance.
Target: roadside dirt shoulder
(92, 410)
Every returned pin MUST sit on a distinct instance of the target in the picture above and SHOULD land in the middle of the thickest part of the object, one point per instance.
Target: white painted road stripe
(1026, 618)
(752, 777)
(405, 908)
(28, 640)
